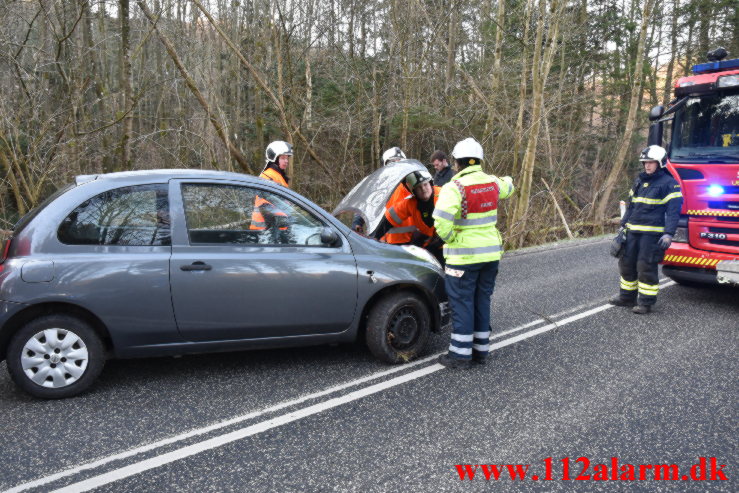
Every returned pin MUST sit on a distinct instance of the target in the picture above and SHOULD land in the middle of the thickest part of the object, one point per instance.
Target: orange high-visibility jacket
(406, 211)
(400, 233)
(257, 219)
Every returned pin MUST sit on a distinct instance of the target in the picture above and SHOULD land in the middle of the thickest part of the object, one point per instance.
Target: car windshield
(706, 130)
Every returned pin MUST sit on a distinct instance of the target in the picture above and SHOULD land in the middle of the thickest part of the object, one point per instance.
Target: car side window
(127, 216)
(233, 214)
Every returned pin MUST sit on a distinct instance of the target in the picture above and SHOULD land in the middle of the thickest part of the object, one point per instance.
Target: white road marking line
(216, 426)
(136, 468)
(521, 327)
(663, 282)
(181, 453)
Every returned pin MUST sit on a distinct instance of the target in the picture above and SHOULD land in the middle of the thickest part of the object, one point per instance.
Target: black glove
(435, 242)
(418, 238)
(665, 241)
(618, 244)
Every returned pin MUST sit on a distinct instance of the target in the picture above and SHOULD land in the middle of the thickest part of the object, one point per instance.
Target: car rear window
(28, 217)
(127, 216)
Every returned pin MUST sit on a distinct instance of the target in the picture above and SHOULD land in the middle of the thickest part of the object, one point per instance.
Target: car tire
(398, 327)
(55, 356)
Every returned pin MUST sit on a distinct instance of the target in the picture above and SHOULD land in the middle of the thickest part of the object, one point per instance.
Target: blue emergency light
(705, 68)
(715, 190)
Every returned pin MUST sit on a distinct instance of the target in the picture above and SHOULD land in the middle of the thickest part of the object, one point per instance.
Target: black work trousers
(640, 267)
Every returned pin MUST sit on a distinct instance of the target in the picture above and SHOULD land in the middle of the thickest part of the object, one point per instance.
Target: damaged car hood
(371, 194)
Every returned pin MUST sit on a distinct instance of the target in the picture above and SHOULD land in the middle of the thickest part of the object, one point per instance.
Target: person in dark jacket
(650, 222)
(444, 172)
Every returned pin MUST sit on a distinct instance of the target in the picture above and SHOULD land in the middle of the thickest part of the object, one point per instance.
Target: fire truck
(703, 155)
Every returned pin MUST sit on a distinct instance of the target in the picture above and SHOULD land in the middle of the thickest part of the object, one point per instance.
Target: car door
(235, 277)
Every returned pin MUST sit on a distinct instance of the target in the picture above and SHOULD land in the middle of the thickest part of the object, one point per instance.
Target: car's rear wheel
(398, 327)
(55, 356)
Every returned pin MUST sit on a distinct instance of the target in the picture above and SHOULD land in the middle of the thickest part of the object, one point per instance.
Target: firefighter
(392, 155)
(265, 214)
(278, 156)
(650, 222)
(397, 235)
(415, 210)
(465, 218)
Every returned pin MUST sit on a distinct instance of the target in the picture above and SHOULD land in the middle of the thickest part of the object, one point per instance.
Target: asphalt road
(576, 379)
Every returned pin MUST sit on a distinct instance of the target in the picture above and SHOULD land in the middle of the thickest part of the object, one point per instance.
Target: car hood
(371, 194)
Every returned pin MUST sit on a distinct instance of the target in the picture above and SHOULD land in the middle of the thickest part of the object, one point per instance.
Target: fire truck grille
(728, 231)
(724, 243)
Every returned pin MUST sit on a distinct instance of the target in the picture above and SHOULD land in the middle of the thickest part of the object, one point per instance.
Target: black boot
(618, 301)
(642, 309)
(452, 362)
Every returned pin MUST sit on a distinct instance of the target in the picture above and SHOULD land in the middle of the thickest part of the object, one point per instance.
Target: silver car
(169, 262)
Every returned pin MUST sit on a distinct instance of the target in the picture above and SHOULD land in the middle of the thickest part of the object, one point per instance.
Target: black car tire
(88, 340)
(398, 327)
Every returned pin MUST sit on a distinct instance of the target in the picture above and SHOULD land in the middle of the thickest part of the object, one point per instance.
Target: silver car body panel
(370, 195)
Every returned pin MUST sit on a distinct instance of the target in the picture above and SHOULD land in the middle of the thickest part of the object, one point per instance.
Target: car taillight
(6, 249)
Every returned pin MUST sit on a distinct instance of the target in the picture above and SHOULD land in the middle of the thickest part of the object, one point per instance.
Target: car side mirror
(329, 237)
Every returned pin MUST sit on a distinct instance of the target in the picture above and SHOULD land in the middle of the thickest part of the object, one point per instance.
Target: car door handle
(196, 266)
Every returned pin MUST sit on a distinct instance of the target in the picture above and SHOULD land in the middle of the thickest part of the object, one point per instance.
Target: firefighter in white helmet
(389, 157)
(278, 154)
(649, 223)
(392, 155)
(465, 217)
(415, 213)
(265, 214)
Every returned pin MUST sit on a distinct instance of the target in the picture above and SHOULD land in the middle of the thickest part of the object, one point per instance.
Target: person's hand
(665, 241)
(418, 238)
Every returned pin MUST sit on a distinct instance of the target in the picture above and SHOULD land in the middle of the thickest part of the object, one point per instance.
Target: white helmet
(468, 148)
(654, 153)
(276, 149)
(391, 155)
(416, 178)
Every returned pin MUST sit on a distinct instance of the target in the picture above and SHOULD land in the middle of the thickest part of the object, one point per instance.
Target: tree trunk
(496, 75)
(625, 147)
(125, 82)
(541, 64)
(667, 93)
(522, 86)
(220, 130)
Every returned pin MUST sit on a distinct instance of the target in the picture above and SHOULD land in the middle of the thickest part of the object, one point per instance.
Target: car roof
(159, 174)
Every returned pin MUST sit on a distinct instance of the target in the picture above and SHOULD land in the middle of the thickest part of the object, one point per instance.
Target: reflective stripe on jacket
(407, 210)
(655, 204)
(257, 218)
(467, 223)
(403, 232)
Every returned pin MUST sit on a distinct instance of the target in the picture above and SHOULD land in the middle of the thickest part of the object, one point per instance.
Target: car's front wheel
(55, 356)
(398, 327)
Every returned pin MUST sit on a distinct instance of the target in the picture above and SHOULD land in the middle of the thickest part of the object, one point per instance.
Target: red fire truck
(703, 156)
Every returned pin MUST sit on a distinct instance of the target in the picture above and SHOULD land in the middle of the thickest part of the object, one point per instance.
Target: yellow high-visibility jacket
(466, 214)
